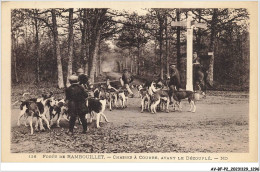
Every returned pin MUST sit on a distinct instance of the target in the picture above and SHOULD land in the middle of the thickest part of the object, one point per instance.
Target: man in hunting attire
(175, 82)
(75, 98)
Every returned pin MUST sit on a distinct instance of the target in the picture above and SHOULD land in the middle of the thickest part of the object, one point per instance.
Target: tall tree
(16, 23)
(99, 19)
(212, 45)
(70, 45)
(84, 38)
(167, 47)
(160, 18)
(57, 49)
(37, 45)
(178, 44)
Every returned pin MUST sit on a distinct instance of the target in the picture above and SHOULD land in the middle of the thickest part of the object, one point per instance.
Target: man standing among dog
(175, 82)
(125, 80)
(76, 100)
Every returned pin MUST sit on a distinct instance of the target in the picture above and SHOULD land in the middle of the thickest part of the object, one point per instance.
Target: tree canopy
(48, 45)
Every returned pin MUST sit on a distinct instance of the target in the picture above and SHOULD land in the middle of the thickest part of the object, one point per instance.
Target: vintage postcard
(130, 82)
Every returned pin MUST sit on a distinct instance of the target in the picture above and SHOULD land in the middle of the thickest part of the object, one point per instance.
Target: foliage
(135, 41)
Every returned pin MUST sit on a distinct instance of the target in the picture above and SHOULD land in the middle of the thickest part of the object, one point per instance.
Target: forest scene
(50, 45)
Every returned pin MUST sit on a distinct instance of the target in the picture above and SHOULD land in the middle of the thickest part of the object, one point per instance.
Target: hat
(80, 70)
(73, 78)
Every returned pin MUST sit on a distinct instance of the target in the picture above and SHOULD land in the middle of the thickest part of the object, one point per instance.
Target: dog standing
(123, 97)
(158, 97)
(96, 107)
(157, 94)
(35, 108)
(112, 98)
(145, 99)
(60, 110)
(179, 95)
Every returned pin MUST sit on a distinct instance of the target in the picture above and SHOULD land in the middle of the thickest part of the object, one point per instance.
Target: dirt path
(220, 124)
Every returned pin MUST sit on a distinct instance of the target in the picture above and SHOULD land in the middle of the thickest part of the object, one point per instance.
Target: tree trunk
(83, 39)
(94, 59)
(90, 39)
(70, 46)
(138, 61)
(126, 63)
(178, 45)
(100, 63)
(211, 47)
(99, 60)
(27, 59)
(38, 54)
(122, 65)
(161, 44)
(155, 56)
(136, 65)
(57, 49)
(96, 72)
(131, 65)
(199, 35)
(84, 47)
(167, 48)
(14, 57)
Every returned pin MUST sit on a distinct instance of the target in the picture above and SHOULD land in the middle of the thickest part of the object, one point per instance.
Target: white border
(125, 166)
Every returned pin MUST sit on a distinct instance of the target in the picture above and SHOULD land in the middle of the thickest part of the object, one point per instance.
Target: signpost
(189, 24)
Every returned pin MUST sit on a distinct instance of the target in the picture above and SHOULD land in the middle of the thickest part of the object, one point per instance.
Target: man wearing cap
(83, 78)
(175, 82)
(126, 79)
(75, 97)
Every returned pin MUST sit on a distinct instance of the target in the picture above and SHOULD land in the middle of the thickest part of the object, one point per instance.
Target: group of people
(77, 92)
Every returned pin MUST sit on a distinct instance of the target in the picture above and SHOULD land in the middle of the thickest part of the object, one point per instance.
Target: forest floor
(220, 124)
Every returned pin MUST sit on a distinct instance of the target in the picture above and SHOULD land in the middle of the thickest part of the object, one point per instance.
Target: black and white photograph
(130, 80)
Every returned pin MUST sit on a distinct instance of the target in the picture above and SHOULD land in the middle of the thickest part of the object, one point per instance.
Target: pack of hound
(156, 96)
(50, 110)
(114, 93)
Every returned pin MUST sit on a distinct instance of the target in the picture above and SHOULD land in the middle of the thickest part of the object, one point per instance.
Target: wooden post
(189, 73)
(189, 24)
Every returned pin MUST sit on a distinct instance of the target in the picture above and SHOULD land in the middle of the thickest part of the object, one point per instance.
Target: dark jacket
(76, 97)
(83, 80)
(175, 78)
(127, 77)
